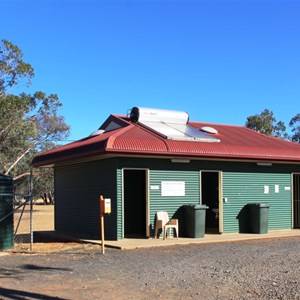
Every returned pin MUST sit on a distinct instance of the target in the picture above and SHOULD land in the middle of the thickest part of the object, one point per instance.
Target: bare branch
(18, 159)
(21, 175)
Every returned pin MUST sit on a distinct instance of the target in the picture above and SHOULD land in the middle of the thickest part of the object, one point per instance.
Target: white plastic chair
(164, 223)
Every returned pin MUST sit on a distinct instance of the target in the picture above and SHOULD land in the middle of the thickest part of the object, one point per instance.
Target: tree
(295, 124)
(28, 123)
(12, 67)
(266, 123)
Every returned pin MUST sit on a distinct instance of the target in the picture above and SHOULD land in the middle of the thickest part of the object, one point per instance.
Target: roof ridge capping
(173, 125)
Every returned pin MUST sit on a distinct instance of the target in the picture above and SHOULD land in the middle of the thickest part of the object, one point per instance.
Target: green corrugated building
(157, 160)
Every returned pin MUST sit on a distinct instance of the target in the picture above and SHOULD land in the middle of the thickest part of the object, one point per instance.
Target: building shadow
(43, 268)
(16, 294)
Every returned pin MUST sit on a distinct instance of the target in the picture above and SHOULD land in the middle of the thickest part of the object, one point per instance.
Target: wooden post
(102, 223)
(105, 208)
(102, 233)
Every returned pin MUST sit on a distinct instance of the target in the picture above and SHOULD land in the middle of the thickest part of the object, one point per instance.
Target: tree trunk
(51, 199)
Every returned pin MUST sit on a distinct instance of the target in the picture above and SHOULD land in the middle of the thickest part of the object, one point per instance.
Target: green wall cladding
(78, 187)
(173, 204)
(77, 191)
(119, 204)
(161, 170)
(241, 188)
(242, 183)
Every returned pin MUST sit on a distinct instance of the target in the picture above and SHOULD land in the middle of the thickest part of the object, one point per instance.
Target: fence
(23, 215)
(16, 215)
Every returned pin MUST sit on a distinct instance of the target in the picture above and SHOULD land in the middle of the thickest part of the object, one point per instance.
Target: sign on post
(105, 205)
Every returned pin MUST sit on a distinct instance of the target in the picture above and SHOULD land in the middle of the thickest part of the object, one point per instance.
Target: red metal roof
(236, 142)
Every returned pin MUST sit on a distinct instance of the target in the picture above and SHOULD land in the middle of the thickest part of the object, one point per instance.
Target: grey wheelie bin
(194, 216)
(258, 217)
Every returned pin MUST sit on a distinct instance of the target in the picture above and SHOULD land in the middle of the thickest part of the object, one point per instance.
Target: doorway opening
(296, 200)
(210, 196)
(134, 208)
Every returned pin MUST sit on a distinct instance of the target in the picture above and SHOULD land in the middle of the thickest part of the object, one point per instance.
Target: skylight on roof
(209, 129)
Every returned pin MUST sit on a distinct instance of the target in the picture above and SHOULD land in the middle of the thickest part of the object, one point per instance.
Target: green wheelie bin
(258, 217)
(194, 216)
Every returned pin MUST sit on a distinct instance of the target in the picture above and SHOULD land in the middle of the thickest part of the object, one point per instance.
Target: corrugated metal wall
(296, 200)
(78, 188)
(161, 170)
(173, 204)
(119, 204)
(77, 191)
(241, 188)
(242, 183)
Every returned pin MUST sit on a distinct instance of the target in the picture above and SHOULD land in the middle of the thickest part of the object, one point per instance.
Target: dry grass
(43, 220)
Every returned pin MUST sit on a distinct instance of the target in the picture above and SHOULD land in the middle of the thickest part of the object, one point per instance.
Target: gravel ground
(264, 269)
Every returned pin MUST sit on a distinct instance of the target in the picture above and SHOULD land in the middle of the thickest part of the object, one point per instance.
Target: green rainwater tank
(6, 207)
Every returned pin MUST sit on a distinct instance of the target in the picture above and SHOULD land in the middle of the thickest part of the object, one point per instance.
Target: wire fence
(16, 214)
(22, 220)
(16, 217)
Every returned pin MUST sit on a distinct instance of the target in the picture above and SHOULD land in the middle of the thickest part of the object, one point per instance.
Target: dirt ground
(262, 269)
(238, 270)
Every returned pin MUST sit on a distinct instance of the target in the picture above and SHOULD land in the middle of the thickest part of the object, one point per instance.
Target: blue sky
(220, 61)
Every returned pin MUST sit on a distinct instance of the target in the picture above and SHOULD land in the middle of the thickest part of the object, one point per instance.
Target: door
(134, 186)
(296, 200)
(210, 196)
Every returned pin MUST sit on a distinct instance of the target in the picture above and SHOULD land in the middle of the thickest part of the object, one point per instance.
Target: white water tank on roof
(141, 114)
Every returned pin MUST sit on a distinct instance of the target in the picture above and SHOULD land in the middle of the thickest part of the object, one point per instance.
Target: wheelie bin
(194, 216)
(258, 217)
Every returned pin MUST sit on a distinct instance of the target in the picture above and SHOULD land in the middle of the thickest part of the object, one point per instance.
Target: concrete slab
(128, 244)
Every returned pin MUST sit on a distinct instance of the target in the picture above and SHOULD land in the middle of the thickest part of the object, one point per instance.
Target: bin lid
(259, 204)
(196, 206)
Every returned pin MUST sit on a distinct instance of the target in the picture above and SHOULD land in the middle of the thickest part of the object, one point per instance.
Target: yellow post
(102, 233)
